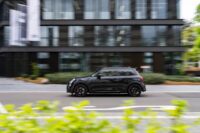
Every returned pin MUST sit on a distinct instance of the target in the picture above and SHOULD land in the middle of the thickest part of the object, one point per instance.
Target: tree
(193, 54)
(189, 35)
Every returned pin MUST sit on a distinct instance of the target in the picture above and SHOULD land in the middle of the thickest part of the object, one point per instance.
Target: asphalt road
(156, 97)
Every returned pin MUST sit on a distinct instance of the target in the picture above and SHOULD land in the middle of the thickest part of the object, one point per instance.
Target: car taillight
(141, 79)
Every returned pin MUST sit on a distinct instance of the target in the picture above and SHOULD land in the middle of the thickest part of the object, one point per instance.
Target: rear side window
(128, 73)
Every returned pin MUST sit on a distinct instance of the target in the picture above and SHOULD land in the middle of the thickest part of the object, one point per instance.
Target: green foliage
(149, 78)
(35, 70)
(193, 54)
(177, 78)
(197, 17)
(188, 36)
(153, 78)
(33, 77)
(178, 125)
(24, 75)
(42, 118)
(63, 78)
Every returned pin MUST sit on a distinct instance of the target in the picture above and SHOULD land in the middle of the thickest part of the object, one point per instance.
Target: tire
(134, 91)
(80, 90)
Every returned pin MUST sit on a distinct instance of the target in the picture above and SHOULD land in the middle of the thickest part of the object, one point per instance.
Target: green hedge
(149, 78)
(63, 78)
(182, 78)
(153, 78)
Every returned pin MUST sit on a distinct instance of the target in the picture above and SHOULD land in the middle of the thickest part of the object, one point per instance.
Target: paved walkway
(11, 84)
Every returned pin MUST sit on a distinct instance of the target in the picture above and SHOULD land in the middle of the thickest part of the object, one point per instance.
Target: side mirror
(98, 76)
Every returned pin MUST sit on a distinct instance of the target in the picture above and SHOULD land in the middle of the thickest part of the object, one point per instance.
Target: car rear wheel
(80, 91)
(134, 91)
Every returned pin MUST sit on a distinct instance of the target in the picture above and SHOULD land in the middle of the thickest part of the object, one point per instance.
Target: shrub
(42, 117)
(182, 78)
(63, 78)
(153, 78)
(24, 75)
(35, 69)
(33, 77)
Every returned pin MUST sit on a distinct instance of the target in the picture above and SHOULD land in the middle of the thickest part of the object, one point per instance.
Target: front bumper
(70, 87)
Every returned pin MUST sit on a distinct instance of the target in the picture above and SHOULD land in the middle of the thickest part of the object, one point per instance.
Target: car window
(127, 73)
(118, 73)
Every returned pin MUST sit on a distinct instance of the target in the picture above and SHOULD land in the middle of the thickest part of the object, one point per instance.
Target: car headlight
(70, 82)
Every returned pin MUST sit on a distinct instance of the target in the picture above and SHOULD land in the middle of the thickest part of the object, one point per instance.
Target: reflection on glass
(154, 35)
(177, 35)
(161, 35)
(123, 35)
(178, 9)
(97, 9)
(58, 9)
(75, 36)
(112, 35)
(159, 9)
(49, 36)
(70, 61)
(148, 35)
(6, 35)
(148, 62)
(43, 55)
(104, 36)
(171, 61)
(141, 9)
(122, 9)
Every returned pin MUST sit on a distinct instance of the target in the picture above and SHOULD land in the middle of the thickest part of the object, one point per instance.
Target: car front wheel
(80, 91)
(134, 91)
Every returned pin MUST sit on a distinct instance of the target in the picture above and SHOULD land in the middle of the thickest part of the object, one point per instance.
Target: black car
(109, 80)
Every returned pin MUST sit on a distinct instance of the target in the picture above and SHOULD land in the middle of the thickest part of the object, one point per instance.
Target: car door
(116, 81)
(100, 85)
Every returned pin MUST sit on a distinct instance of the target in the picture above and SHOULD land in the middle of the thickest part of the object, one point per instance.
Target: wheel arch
(136, 84)
(81, 84)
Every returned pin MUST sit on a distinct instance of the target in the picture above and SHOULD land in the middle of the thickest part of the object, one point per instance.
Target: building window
(104, 36)
(161, 35)
(148, 35)
(6, 35)
(49, 36)
(70, 61)
(58, 9)
(178, 9)
(141, 9)
(123, 35)
(43, 55)
(159, 9)
(154, 35)
(172, 59)
(43, 66)
(177, 35)
(97, 9)
(112, 35)
(76, 36)
(148, 62)
(122, 9)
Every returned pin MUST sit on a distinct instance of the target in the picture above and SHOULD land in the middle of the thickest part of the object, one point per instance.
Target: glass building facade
(58, 9)
(113, 36)
(96, 9)
(85, 35)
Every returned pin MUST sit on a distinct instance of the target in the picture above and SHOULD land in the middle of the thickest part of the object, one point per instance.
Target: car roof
(118, 69)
